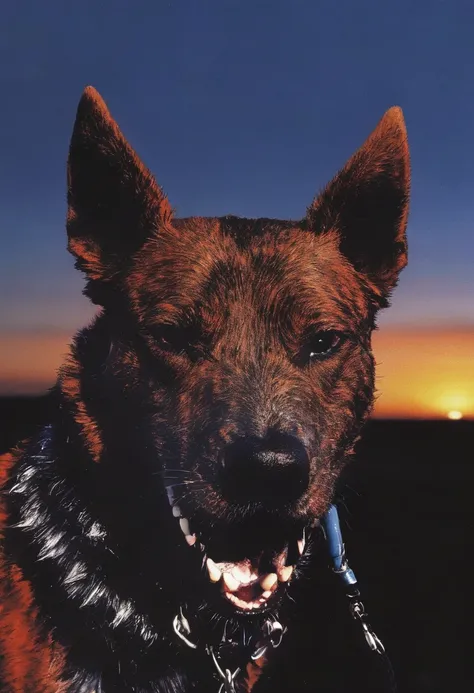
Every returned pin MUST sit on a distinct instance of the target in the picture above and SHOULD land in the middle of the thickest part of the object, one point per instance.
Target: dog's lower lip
(248, 603)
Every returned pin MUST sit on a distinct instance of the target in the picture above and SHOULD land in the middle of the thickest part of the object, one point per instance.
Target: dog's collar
(270, 636)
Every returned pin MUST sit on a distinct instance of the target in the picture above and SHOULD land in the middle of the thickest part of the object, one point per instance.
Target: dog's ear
(366, 204)
(114, 203)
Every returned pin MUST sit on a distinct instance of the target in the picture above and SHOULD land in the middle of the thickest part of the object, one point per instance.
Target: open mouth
(248, 584)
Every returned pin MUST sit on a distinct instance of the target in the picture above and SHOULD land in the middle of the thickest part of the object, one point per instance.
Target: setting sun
(454, 415)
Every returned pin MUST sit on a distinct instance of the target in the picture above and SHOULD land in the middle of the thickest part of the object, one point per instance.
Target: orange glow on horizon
(423, 373)
(29, 361)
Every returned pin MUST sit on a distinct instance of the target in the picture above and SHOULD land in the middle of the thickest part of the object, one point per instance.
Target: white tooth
(184, 524)
(284, 574)
(191, 539)
(266, 594)
(176, 511)
(231, 583)
(214, 572)
(268, 581)
(301, 545)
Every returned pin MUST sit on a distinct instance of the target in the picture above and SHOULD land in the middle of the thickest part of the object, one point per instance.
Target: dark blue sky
(238, 106)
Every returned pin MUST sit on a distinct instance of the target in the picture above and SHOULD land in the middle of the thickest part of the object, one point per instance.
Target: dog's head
(249, 338)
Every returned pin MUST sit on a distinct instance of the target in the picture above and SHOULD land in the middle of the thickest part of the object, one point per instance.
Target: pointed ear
(114, 203)
(366, 204)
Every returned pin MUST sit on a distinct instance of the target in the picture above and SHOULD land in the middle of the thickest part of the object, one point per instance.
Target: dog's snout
(273, 470)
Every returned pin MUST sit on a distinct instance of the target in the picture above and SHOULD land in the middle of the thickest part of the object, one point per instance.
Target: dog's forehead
(271, 247)
(223, 260)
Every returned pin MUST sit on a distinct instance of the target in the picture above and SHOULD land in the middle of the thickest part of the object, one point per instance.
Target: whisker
(352, 489)
(186, 483)
(186, 493)
(179, 471)
(170, 476)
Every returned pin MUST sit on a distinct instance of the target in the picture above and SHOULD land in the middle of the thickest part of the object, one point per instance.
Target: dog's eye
(320, 344)
(177, 340)
(170, 338)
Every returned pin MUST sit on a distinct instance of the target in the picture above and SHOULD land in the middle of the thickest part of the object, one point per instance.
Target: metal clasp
(358, 613)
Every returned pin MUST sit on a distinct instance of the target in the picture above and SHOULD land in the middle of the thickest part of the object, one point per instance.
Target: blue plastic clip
(332, 532)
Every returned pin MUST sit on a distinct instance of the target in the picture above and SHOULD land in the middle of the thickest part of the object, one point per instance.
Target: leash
(332, 532)
(272, 632)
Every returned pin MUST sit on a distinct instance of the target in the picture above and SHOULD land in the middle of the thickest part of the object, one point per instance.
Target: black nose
(273, 470)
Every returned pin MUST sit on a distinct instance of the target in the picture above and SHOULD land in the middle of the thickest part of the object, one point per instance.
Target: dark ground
(407, 525)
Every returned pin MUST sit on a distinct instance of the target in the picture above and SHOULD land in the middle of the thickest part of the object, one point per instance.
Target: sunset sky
(245, 107)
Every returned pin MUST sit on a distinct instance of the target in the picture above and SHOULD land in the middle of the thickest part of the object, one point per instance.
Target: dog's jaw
(249, 585)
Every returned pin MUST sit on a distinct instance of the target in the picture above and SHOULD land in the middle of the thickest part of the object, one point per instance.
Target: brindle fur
(198, 342)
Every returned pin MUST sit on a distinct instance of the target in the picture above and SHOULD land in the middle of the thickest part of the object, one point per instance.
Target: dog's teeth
(268, 581)
(231, 583)
(284, 574)
(191, 539)
(266, 594)
(184, 524)
(214, 572)
(176, 511)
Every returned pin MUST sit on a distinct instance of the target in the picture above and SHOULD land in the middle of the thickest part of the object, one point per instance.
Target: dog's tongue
(243, 572)
(245, 583)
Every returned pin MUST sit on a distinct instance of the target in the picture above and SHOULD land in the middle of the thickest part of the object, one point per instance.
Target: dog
(158, 533)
